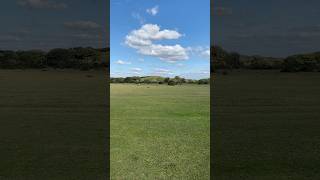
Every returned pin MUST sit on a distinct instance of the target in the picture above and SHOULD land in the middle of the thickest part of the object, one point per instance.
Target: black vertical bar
(107, 162)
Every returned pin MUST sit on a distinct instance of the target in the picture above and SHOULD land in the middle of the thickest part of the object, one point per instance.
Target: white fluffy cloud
(206, 53)
(153, 11)
(149, 32)
(122, 62)
(142, 40)
(42, 4)
(203, 52)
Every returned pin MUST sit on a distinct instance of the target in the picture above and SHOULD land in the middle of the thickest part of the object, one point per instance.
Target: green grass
(266, 126)
(53, 125)
(160, 132)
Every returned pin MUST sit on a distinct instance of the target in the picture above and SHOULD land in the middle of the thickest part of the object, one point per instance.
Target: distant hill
(152, 78)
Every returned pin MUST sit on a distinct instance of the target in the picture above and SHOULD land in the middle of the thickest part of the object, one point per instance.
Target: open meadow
(160, 131)
(53, 124)
(266, 126)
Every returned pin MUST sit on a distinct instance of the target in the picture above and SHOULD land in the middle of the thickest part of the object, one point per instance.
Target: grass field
(160, 132)
(53, 125)
(266, 126)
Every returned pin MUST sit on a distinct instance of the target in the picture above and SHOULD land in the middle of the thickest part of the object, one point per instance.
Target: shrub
(306, 63)
(204, 81)
(172, 82)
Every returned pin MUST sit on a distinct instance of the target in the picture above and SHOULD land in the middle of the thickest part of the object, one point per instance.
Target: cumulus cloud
(206, 53)
(203, 52)
(122, 62)
(142, 40)
(42, 4)
(82, 25)
(168, 53)
(153, 11)
(149, 32)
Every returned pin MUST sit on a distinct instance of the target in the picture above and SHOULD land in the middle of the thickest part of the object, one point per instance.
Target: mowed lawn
(266, 126)
(160, 131)
(53, 125)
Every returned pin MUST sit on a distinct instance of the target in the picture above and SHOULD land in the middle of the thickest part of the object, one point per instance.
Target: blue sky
(267, 27)
(160, 37)
(47, 24)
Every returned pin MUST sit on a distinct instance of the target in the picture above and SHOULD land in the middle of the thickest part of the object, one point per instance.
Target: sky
(275, 28)
(160, 37)
(48, 24)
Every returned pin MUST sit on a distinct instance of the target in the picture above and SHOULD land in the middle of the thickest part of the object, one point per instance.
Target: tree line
(222, 59)
(158, 80)
(83, 58)
(86, 58)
